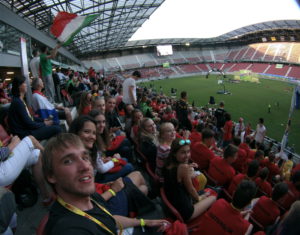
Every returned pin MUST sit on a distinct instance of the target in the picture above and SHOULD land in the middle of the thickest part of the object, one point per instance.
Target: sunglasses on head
(182, 142)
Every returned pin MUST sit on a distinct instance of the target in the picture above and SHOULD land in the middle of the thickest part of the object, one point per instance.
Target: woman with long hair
(85, 127)
(178, 174)
(21, 122)
(166, 136)
(108, 142)
(85, 105)
(147, 140)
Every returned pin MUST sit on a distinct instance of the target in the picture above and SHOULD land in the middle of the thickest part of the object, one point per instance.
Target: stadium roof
(282, 30)
(120, 19)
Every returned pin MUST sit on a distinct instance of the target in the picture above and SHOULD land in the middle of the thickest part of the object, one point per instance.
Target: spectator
(265, 210)
(147, 140)
(201, 152)
(294, 191)
(287, 168)
(227, 130)
(136, 118)
(261, 181)
(4, 98)
(19, 155)
(230, 218)
(85, 105)
(182, 112)
(178, 175)
(112, 117)
(44, 109)
(46, 70)
(129, 89)
(107, 142)
(237, 179)
(290, 222)
(220, 119)
(34, 64)
(166, 136)
(68, 169)
(220, 169)
(239, 129)
(260, 131)
(98, 103)
(85, 127)
(21, 122)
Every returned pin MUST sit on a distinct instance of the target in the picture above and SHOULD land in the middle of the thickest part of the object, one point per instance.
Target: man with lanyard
(78, 209)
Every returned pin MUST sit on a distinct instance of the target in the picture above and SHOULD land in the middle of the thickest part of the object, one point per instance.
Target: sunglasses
(182, 142)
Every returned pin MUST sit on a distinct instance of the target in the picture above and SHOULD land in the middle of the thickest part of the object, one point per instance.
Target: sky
(212, 18)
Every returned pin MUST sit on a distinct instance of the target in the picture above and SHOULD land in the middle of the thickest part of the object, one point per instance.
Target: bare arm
(184, 176)
(131, 89)
(54, 52)
(133, 222)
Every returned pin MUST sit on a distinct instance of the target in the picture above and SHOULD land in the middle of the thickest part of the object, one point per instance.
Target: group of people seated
(213, 171)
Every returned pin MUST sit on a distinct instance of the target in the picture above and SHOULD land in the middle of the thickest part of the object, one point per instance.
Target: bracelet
(112, 192)
(142, 222)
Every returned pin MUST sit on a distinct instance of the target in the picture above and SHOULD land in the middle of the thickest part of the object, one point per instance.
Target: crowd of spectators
(212, 170)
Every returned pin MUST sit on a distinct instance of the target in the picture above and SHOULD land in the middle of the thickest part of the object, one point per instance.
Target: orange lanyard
(82, 213)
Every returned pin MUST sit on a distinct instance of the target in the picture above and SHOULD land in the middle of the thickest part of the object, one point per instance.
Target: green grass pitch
(247, 100)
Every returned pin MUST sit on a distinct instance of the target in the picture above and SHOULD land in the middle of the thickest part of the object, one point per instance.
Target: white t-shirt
(260, 133)
(35, 66)
(126, 86)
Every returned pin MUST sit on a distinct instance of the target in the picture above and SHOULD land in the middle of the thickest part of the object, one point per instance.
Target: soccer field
(247, 100)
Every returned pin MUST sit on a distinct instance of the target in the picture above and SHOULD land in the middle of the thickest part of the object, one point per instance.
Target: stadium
(254, 69)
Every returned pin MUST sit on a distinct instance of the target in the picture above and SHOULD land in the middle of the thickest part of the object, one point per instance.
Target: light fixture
(187, 44)
(10, 72)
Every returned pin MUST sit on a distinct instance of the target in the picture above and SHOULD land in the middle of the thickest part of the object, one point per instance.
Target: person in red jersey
(227, 130)
(294, 192)
(220, 168)
(265, 210)
(262, 183)
(229, 218)
(251, 174)
(240, 164)
(201, 152)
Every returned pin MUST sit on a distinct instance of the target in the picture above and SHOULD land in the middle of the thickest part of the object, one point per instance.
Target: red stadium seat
(41, 227)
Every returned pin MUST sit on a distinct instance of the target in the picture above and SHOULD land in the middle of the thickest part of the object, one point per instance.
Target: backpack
(25, 191)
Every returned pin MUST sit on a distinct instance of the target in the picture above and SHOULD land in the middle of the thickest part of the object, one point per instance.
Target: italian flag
(66, 25)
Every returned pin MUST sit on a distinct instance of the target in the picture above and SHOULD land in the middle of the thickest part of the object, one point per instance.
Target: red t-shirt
(195, 137)
(221, 171)
(228, 130)
(287, 200)
(223, 219)
(201, 155)
(296, 168)
(264, 186)
(86, 110)
(265, 211)
(237, 179)
(240, 163)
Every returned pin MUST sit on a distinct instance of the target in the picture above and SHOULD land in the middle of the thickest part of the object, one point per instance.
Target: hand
(117, 185)
(36, 143)
(117, 155)
(48, 122)
(14, 142)
(161, 224)
(194, 165)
